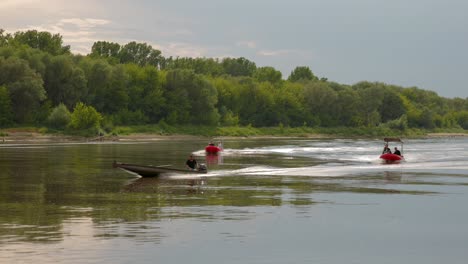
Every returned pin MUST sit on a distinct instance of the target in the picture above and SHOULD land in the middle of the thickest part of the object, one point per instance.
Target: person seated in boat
(211, 143)
(386, 149)
(397, 152)
(191, 163)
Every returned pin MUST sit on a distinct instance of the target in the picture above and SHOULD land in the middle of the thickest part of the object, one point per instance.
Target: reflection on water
(272, 200)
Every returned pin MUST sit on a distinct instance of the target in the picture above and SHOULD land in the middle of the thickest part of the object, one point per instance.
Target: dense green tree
(176, 94)
(371, 97)
(5, 38)
(85, 117)
(255, 96)
(64, 82)
(190, 98)
(238, 66)
(145, 92)
(462, 119)
(140, 54)
(42, 40)
(320, 101)
(60, 117)
(99, 75)
(6, 113)
(289, 107)
(105, 49)
(426, 119)
(302, 73)
(229, 96)
(413, 113)
(25, 87)
(268, 74)
(392, 106)
(205, 66)
(116, 95)
(347, 107)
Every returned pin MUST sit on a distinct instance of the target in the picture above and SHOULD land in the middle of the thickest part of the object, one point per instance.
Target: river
(283, 200)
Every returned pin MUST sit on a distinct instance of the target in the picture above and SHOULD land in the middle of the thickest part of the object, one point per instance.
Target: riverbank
(18, 136)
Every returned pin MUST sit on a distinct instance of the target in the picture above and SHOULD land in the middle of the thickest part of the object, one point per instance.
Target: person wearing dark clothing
(386, 149)
(191, 163)
(397, 152)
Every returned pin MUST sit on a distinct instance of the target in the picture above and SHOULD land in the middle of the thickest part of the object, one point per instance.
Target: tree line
(43, 83)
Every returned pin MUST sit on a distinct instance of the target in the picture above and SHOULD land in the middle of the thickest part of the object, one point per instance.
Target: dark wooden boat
(153, 171)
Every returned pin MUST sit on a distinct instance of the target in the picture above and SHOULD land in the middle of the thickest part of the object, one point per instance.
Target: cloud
(181, 50)
(248, 44)
(284, 52)
(86, 23)
(10, 4)
(76, 32)
(274, 53)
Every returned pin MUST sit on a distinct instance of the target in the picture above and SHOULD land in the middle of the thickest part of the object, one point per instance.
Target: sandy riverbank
(34, 137)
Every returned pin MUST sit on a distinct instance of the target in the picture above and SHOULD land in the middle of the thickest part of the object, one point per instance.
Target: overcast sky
(421, 43)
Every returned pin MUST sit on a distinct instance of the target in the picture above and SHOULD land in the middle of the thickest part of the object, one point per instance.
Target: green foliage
(5, 38)
(6, 113)
(64, 82)
(41, 40)
(397, 124)
(462, 119)
(25, 87)
(229, 119)
(60, 117)
(238, 66)
(140, 54)
(206, 66)
(105, 49)
(302, 73)
(320, 100)
(268, 74)
(133, 84)
(85, 117)
(127, 117)
(190, 98)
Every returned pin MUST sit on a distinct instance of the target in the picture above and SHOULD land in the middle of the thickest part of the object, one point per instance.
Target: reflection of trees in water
(393, 176)
(167, 186)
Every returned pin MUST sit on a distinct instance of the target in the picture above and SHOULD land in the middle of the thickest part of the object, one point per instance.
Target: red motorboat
(389, 157)
(212, 149)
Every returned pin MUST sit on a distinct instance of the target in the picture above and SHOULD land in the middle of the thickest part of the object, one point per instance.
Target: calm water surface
(262, 201)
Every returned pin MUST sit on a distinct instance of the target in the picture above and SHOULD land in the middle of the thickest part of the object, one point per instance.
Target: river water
(262, 201)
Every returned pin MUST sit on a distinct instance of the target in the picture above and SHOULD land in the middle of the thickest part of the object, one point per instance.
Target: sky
(410, 43)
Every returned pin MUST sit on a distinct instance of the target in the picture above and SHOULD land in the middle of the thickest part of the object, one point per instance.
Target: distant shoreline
(35, 137)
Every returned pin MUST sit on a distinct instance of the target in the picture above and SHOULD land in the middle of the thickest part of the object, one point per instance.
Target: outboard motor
(202, 167)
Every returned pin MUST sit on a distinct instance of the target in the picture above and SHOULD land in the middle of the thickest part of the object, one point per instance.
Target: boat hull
(212, 149)
(391, 158)
(153, 171)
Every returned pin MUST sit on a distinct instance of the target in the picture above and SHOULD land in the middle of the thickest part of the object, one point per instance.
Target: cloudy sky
(421, 43)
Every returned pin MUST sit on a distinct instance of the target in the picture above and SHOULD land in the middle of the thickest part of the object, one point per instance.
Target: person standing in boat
(386, 149)
(397, 152)
(191, 163)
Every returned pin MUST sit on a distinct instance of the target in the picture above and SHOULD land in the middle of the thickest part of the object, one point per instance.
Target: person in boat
(386, 149)
(191, 163)
(397, 152)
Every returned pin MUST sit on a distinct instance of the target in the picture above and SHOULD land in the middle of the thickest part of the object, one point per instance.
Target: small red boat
(212, 149)
(389, 157)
